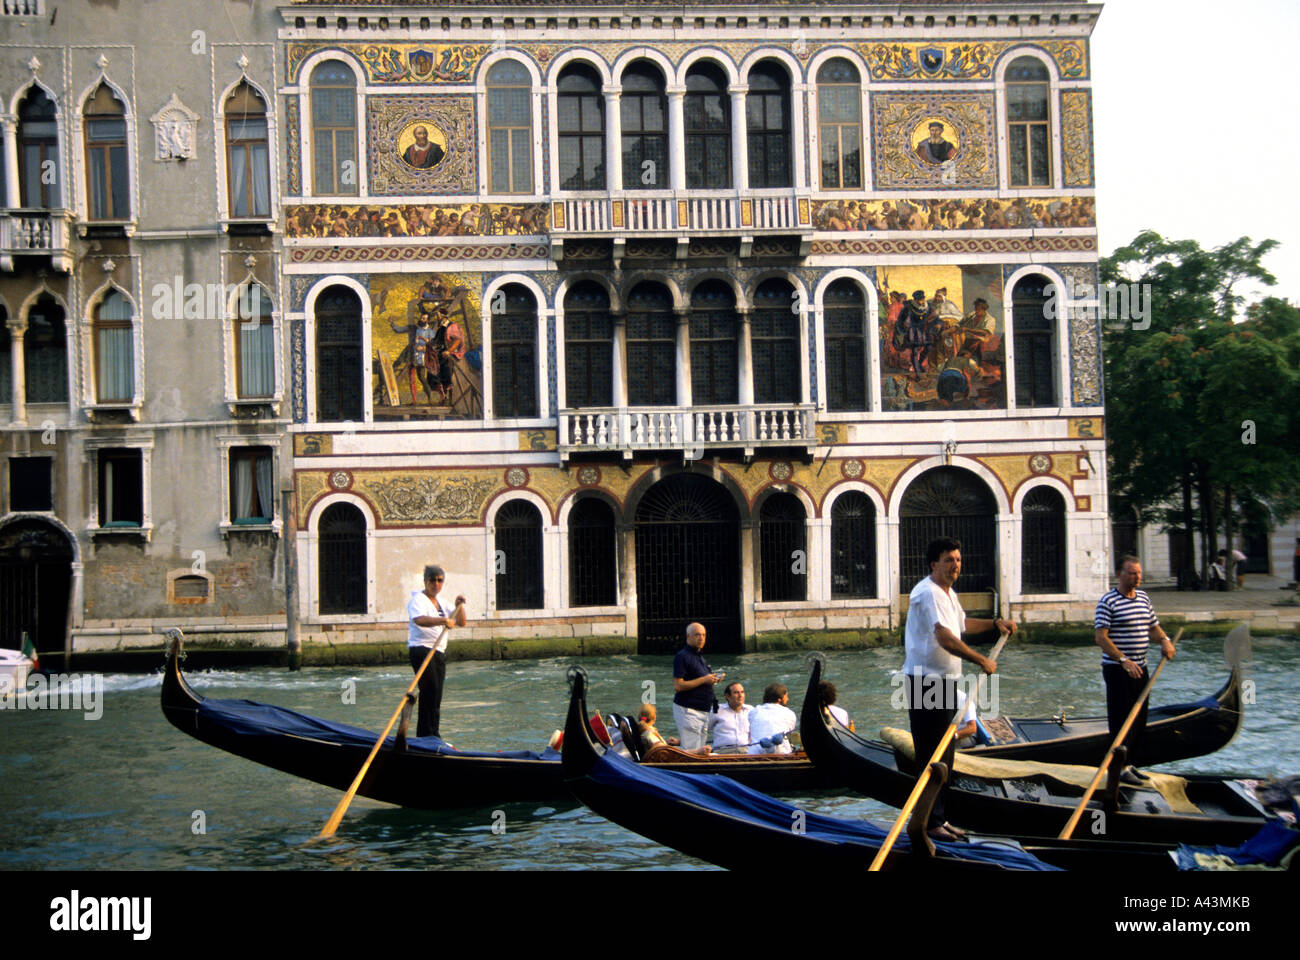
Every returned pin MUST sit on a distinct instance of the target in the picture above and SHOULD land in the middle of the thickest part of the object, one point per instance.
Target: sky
(1196, 106)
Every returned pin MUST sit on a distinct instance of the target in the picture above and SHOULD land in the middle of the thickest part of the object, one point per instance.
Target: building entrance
(687, 565)
(35, 580)
(949, 502)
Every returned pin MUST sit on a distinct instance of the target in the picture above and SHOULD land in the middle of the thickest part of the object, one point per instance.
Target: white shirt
(840, 714)
(768, 719)
(421, 606)
(965, 707)
(927, 605)
(730, 727)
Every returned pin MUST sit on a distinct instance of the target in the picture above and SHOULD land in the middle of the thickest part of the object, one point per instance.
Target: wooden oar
(336, 817)
(1119, 738)
(924, 778)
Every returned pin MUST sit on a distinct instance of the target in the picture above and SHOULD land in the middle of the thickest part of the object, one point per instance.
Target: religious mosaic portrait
(940, 140)
(422, 145)
(941, 338)
(427, 341)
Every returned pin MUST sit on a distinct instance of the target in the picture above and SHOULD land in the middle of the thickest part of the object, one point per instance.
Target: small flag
(29, 651)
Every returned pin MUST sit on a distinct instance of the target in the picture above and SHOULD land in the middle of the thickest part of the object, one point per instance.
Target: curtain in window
(115, 363)
(265, 495)
(241, 476)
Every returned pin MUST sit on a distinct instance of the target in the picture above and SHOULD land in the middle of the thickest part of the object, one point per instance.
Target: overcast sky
(1197, 111)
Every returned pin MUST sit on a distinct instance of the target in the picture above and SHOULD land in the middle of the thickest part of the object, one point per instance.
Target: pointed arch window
(767, 124)
(108, 196)
(45, 353)
(839, 108)
(643, 109)
(114, 339)
(1028, 139)
(334, 130)
(582, 129)
(247, 166)
(510, 128)
(708, 129)
(254, 334)
(38, 152)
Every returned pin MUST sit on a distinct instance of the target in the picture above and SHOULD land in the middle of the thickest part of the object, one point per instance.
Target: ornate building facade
(627, 314)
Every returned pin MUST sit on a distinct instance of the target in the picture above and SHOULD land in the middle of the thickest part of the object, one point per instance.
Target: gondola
(716, 819)
(424, 772)
(1034, 799)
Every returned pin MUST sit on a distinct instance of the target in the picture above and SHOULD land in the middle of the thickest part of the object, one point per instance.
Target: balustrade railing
(658, 428)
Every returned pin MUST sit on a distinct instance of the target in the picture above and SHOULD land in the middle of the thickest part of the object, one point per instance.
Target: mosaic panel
(422, 145)
(965, 60)
(352, 221)
(935, 140)
(292, 147)
(955, 245)
(1076, 137)
(401, 62)
(992, 213)
(406, 253)
(298, 367)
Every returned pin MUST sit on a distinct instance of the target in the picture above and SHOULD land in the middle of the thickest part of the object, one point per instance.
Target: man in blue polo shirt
(1125, 625)
(693, 681)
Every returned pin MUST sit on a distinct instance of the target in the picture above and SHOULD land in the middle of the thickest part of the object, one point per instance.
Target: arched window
(581, 124)
(853, 546)
(593, 558)
(45, 353)
(339, 387)
(1034, 342)
(767, 124)
(341, 547)
(518, 556)
(714, 376)
(334, 130)
(510, 128)
(949, 502)
(651, 347)
(254, 335)
(839, 109)
(106, 158)
(783, 548)
(1043, 542)
(1029, 145)
(588, 334)
(845, 319)
(247, 168)
(708, 129)
(774, 344)
(643, 109)
(114, 350)
(514, 355)
(38, 151)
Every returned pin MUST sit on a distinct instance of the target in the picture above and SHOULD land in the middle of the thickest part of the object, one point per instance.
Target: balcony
(626, 430)
(694, 213)
(33, 233)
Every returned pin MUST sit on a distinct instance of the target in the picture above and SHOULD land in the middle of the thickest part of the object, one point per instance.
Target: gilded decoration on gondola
(939, 214)
(353, 221)
(939, 141)
(427, 498)
(401, 62)
(292, 148)
(422, 145)
(969, 60)
(1076, 134)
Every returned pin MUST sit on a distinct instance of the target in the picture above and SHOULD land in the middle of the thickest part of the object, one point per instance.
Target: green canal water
(129, 791)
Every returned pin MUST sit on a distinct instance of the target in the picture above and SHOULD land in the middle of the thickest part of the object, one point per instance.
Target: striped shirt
(1129, 621)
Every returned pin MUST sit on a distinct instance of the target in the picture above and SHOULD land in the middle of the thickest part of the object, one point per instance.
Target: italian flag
(29, 651)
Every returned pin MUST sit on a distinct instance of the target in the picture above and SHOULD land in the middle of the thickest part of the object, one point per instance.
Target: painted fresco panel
(416, 220)
(938, 213)
(943, 350)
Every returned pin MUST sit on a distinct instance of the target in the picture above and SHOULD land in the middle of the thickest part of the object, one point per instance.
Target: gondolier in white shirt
(1125, 625)
(431, 620)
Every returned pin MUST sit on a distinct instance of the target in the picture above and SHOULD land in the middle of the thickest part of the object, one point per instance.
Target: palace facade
(627, 314)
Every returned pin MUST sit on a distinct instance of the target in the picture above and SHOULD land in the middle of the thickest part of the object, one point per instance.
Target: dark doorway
(35, 580)
(949, 502)
(687, 565)
(342, 544)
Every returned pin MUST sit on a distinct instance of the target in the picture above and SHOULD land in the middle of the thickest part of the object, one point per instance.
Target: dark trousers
(931, 705)
(1122, 692)
(430, 690)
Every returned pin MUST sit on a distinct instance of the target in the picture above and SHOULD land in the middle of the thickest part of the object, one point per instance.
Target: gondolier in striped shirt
(1125, 625)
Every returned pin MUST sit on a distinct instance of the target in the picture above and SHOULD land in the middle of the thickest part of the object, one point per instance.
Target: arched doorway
(342, 551)
(687, 565)
(949, 502)
(35, 581)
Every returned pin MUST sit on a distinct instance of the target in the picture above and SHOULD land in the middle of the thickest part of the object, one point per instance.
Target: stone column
(618, 353)
(745, 364)
(613, 139)
(683, 357)
(677, 137)
(13, 198)
(739, 140)
(18, 371)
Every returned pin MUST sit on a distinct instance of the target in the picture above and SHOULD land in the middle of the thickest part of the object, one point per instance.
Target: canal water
(129, 791)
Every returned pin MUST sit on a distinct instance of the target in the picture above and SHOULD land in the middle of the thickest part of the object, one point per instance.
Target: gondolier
(431, 620)
(1125, 625)
(935, 650)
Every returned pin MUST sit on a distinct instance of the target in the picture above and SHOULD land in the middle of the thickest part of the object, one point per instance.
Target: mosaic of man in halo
(936, 150)
(423, 153)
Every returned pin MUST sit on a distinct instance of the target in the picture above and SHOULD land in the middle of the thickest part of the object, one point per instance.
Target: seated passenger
(771, 724)
(730, 723)
(828, 695)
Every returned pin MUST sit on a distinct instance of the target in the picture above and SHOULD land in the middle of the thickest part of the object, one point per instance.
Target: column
(683, 356)
(12, 197)
(618, 355)
(745, 363)
(677, 137)
(798, 92)
(18, 370)
(739, 140)
(613, 139)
